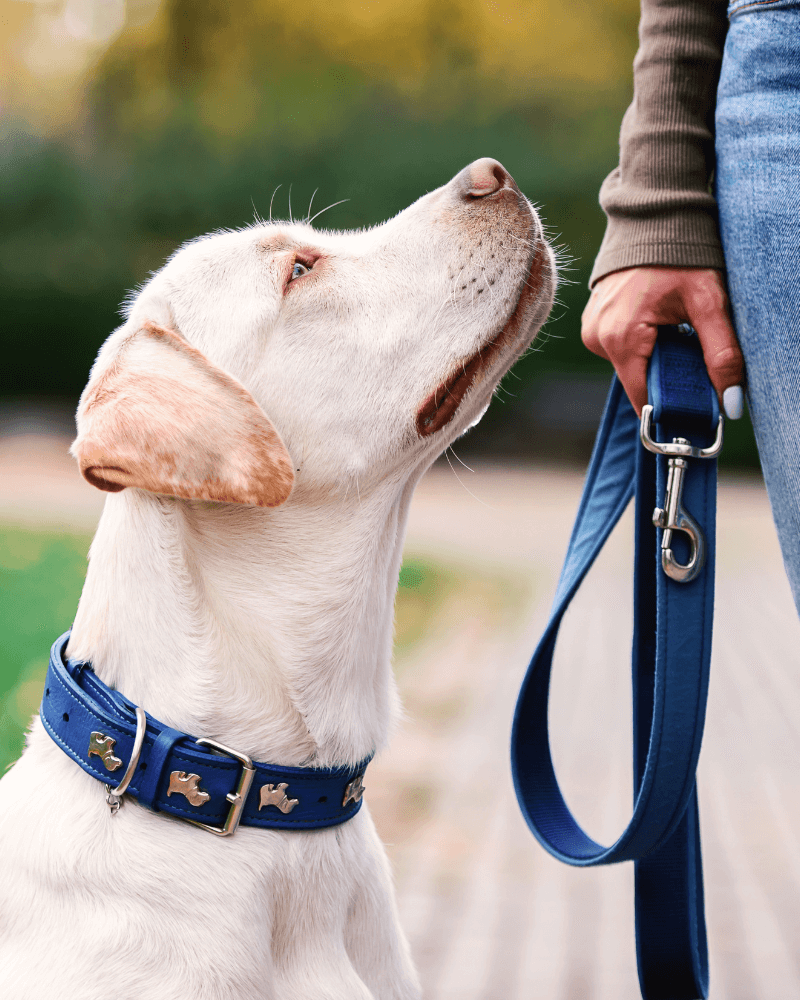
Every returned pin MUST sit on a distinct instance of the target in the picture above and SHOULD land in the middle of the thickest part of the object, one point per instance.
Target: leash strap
(670, 661)
(174, 773)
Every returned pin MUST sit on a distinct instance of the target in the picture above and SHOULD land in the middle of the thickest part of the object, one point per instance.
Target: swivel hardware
(673, 516)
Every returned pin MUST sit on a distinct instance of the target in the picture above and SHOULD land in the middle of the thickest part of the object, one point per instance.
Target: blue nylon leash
(197, 780)
(673, 617)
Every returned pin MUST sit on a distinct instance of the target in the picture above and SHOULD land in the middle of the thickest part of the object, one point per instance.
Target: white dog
(271, 402)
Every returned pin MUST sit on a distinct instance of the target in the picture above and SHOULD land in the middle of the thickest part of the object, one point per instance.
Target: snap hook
(674, 517)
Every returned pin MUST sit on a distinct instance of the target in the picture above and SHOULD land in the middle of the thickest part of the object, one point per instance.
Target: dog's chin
(443, 403)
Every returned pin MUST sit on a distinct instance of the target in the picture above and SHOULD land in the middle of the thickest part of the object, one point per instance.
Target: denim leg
(758, 190)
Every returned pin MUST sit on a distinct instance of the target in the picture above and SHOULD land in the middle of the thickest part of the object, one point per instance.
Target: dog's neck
(268, 630)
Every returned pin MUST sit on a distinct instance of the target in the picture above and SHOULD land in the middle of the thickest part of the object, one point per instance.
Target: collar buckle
(236, 798)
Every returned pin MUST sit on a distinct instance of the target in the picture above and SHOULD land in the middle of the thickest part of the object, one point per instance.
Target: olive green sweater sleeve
(659, 207)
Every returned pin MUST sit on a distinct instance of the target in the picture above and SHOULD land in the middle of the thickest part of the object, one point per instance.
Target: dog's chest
(143, 899)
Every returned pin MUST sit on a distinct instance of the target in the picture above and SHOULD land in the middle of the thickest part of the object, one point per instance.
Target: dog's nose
(484, 177)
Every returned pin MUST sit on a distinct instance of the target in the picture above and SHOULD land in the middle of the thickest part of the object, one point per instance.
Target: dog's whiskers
(308, 213)
(271, 201)
(488, 285)
(326, 209)
(256, 216)
(462, 482)
(290, 204)
(453, 451)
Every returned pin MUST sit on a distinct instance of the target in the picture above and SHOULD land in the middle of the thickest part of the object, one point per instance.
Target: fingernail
(733, 402)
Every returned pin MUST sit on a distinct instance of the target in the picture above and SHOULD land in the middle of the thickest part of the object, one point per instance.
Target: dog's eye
(298, 270)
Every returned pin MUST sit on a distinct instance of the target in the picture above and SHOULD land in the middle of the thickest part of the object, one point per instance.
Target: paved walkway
(489, 914)
(492, 916)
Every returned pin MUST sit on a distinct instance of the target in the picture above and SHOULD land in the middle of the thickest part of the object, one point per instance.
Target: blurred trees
(195, 113)
(265, 62)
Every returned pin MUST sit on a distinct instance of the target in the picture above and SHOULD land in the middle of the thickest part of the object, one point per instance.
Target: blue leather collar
(97, 728)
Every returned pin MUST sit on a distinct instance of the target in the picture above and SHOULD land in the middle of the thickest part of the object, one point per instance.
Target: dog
(260, 422)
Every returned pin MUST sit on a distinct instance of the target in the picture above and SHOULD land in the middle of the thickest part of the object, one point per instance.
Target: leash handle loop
(673, 610)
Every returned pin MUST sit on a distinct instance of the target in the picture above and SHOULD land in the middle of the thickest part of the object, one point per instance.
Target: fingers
(612, 328)
(621, 320)
(629, 349)
(633, 375)
(707, 311)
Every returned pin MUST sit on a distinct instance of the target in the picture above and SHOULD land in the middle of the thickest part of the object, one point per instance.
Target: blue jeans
(758, 191)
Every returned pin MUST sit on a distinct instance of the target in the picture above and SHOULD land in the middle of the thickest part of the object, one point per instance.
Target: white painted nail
(733, 402)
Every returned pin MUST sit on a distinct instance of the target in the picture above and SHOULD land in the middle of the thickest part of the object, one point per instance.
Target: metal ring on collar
(114, 795)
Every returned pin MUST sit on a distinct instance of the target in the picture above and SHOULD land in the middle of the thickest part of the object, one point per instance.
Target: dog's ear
(158, 415)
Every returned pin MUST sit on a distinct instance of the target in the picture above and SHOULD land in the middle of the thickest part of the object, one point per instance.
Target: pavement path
(488, 913)
(492, 916)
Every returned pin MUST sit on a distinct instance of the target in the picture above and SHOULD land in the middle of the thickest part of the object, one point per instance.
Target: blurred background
(129, 127)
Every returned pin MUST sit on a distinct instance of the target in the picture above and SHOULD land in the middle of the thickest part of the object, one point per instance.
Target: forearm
(659, 208)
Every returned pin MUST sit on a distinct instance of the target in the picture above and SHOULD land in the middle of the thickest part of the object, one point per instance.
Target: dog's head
(275, 353)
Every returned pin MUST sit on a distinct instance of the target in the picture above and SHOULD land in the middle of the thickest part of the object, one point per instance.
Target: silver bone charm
(102, 746)
(673, 517)
(276, 796)
(354, 790)
(182, 783)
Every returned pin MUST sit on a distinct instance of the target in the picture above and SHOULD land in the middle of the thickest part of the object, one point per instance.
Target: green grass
(422, 590)
(41, 575)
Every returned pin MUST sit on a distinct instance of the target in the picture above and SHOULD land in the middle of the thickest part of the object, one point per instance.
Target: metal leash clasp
(673, 516)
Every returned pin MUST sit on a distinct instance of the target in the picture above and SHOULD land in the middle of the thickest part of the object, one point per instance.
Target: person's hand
(625, 308)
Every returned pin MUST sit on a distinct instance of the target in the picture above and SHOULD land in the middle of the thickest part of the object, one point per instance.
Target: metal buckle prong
(236, 798)
(673, 516)
(114, 795)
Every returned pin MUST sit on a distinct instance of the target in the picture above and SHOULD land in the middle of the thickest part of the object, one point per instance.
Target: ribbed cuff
(686, 239)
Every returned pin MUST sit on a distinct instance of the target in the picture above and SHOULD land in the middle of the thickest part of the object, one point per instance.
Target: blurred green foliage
(77, 234)
(41, 576)
(190, 121)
